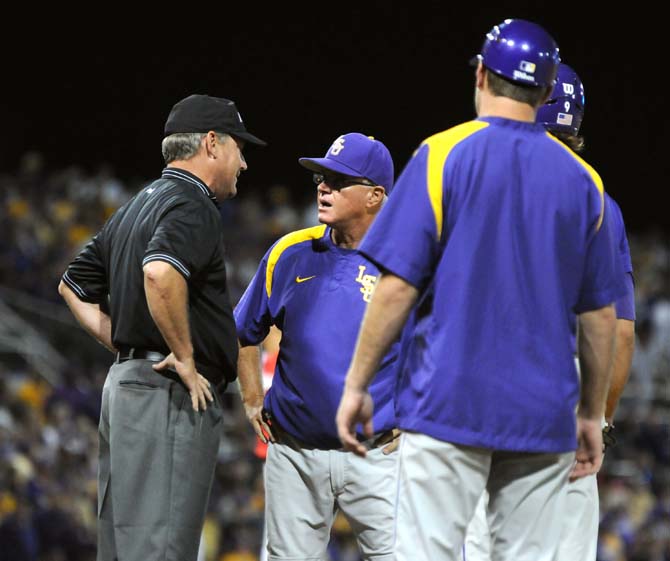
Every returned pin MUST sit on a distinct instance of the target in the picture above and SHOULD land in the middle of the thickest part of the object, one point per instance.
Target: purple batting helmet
(564, 110)
(521, 51)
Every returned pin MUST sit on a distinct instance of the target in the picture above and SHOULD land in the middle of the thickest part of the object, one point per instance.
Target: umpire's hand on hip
(198, 386)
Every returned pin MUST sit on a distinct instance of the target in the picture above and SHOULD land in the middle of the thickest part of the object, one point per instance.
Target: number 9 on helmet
(564, 110)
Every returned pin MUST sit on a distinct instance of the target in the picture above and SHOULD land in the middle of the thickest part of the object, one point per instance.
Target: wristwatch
(609, 439)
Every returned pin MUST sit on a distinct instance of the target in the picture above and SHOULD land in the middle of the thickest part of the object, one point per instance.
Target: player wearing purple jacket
(314, 286)
(562, 115)
(496, 236)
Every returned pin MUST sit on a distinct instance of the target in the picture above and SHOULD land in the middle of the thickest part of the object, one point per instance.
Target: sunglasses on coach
(337, 182)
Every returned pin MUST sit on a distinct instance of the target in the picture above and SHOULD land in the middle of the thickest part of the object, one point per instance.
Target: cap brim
(247, 137)
(324, 164)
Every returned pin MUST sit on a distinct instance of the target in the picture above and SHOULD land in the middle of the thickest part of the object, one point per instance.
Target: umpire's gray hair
(185, 145)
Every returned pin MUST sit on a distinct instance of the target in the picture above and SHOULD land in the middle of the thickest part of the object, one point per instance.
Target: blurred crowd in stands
(48, 432)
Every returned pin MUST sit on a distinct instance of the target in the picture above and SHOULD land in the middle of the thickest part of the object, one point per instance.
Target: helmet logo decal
(337, 146)
(564, 119)
(568, 89)
(526, 66)
(526, 72)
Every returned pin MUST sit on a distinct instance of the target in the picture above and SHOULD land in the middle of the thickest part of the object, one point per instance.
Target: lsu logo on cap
(526, 66)
(337, 146)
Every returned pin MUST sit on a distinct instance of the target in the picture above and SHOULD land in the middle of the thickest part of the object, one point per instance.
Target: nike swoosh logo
(303, 279)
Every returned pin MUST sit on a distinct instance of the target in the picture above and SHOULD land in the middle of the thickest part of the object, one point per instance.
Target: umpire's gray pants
(156, 466)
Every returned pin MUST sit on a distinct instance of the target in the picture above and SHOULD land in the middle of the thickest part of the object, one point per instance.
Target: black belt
(135, 353)
(284, 437)
(132, 353)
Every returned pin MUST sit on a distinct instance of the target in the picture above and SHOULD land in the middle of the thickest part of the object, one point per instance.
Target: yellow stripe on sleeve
(439, 147)
(313, 233)
(594, 175)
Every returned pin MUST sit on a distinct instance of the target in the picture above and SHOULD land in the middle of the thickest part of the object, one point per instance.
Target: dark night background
(100, 91)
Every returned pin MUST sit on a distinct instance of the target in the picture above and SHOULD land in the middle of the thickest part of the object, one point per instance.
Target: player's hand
(589, 455)
(393, 445)
(198, 386)
(259, 421)
(355, 408)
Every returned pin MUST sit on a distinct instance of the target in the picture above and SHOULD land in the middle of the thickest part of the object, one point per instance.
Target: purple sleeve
(625, 306)
(252, 313)
(603, 282)
(619, 229)
(403, 239)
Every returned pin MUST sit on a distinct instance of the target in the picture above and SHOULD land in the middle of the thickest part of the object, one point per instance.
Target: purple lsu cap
(356, 155)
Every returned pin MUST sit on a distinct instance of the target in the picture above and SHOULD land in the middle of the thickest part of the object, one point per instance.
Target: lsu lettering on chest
(367, 281)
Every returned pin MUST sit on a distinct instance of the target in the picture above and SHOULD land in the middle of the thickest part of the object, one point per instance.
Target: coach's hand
(355, 408)
(259, 419)
(198, 386)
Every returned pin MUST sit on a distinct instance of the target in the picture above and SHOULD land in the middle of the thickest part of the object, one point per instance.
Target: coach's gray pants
(305, 488)
(157, 461)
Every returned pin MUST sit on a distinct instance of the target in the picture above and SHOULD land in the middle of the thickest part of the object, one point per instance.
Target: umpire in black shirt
(158, 266)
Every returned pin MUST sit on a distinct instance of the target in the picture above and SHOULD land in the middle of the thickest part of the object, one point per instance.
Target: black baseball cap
(204, 113)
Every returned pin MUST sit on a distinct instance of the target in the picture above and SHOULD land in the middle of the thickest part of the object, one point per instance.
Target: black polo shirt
(174, 219)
